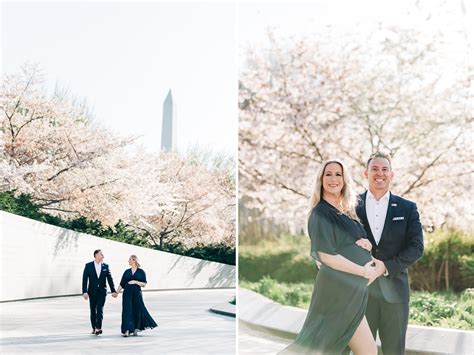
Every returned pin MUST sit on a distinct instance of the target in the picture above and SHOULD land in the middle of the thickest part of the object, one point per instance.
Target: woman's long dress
(134, 313)
(339, 299)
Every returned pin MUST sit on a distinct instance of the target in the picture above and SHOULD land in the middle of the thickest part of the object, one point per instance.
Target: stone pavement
(258, 341)
(61, 325)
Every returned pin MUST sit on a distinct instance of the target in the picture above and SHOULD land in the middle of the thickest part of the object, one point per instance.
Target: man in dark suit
(96, 272)
(393, 227)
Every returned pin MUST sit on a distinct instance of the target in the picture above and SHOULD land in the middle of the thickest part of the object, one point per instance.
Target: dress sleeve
(321, 233)
(142, 276)
(123, 281)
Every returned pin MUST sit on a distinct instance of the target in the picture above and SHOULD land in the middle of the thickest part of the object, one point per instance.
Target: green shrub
(23, 205)
(440, 309)
(285, 259)
(443, 309)
(213, 252)
(291, 294)
(466, 267)
(447, 263)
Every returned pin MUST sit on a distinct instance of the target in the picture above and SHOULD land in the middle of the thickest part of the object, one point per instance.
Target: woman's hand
(370, 272)
(132, 282)
(379, 266)
(364, 243)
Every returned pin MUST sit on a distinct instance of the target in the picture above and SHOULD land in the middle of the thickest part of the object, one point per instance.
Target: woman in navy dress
(135, 316)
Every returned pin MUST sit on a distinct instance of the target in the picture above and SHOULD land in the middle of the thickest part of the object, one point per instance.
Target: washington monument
(168, 126)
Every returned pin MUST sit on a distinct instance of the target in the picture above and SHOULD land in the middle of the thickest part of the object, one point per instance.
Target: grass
(291, 294)
(443, 309)
(282, 270)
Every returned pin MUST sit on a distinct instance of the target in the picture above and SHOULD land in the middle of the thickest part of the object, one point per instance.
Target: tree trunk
(446, 274)
(438, 278)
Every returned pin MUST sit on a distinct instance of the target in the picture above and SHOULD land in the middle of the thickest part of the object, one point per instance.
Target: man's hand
(86, 296)
(364, 243)
(114, 294)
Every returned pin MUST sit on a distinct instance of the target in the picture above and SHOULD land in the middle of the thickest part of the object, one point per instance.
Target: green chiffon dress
(339, 299)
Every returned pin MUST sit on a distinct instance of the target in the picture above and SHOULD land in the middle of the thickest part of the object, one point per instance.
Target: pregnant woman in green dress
(336, 315)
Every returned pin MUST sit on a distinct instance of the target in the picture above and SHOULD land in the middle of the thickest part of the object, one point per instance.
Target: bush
(213, 252)
(447, 263)
(443, 309)
(440, 309)
(285, 259)
(291, 294)
(23, 205)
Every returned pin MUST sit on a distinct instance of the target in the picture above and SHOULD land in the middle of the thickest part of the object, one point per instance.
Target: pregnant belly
(333, 282)
(356, 254)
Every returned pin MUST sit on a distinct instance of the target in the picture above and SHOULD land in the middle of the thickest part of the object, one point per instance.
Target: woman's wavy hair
(135, 258)
(349, 196)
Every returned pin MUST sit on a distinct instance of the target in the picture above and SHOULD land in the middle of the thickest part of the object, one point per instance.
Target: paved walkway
(257, 341)
(61, 325)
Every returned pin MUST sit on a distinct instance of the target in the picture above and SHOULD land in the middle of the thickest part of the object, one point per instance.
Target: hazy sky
(304, 17)
(123, 57)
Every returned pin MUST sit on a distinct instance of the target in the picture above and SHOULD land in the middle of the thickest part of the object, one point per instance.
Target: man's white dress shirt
(376, 213)
(98, 268)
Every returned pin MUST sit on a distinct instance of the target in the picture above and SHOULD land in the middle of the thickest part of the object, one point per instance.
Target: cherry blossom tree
(203, 207)
(337, 94)
(71, 166)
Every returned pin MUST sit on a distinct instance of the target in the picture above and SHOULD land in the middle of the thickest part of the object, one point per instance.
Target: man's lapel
(391, 210)
(93, 271)
(364, 220)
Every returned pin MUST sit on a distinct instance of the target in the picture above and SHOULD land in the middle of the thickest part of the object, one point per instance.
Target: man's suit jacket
(96, 285)
(400, 245)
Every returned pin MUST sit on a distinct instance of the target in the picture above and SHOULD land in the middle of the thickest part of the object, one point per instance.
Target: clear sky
(123, 57)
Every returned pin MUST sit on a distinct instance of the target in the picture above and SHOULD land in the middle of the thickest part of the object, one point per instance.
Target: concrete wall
(39, 260)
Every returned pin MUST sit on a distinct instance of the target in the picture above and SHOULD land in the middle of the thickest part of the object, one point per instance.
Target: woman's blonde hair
(135, 258)
(349, 197)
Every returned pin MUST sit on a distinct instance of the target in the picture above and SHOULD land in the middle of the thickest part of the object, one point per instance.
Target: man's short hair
(96, 252)
(380, 155)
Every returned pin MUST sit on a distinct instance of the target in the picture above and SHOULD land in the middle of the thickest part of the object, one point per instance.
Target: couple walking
(135, 316)
(363, 246)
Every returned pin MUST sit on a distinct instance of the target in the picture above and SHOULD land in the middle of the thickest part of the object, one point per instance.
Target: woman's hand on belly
(370, 272)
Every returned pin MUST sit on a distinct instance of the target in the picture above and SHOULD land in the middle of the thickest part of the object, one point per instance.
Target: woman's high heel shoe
(125, 334)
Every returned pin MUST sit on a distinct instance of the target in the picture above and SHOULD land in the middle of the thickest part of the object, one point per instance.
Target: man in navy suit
(393, 227)
(96, 272)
